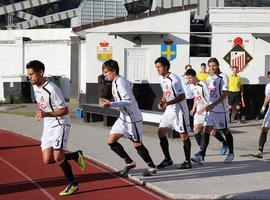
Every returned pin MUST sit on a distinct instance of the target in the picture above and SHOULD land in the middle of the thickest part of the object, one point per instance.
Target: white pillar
(19, 55)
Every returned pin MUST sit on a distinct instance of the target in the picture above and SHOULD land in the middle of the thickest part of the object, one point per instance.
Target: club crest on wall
(168, 49)
(238, 56)
(104, 51)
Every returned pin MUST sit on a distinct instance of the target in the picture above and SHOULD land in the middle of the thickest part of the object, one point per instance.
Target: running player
(266, 121)
(217, 110)
(129, 124)
(201, 98)
(176, 113)
(53, 109)
(188, 89)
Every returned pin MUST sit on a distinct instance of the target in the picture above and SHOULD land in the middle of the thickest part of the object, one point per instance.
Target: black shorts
(234, 98)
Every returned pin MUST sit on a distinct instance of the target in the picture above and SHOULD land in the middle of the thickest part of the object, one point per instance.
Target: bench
(95, 113)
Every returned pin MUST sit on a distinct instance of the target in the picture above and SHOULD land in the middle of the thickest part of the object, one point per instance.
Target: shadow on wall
(64, 85)
(144, 95)
(152, 39)
(263, 80)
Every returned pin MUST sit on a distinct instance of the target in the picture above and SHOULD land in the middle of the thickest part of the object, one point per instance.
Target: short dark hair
(268, 73)
(203, 64)
(111, 65)
(190, 72)
(164, 61)
(36, 65)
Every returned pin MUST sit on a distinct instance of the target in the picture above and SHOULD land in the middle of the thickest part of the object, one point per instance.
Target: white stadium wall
(178, 24)
(252, 25)
(51, 46)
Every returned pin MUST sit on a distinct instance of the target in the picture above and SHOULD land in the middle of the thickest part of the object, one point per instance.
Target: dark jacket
(104, 88)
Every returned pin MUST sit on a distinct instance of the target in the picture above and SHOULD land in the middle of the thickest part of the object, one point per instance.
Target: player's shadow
(208, 170)
(259, 194)
(17, 147)
(53, 182)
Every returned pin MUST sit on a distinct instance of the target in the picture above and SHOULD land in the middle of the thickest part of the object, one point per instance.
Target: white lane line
(126, 181)
(28, 178)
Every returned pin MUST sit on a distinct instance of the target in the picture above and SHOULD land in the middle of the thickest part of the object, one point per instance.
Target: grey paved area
(245, 178)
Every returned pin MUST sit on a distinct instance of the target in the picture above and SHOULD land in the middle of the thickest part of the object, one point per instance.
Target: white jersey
(216, 84)
(172, 88)
(49, 98)
(122, 92)
(201, 95)
(267, 90)
(188, 88)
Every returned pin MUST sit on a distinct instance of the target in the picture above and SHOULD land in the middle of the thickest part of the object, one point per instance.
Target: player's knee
(137, 144)
(196, 129)
(184, 136)
(207, 130)
(48, 161)
(162, 132)
(59, 159)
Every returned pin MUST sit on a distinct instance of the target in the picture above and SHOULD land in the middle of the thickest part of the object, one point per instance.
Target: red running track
(24, 176)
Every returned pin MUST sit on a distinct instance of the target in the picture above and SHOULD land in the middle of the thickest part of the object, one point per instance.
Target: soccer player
(203, 74)
(129, 124)
(201, 98)
(266, 121)
(188, 89)
(235, 93)
(217, 111)
(53, 109)
(176, 113)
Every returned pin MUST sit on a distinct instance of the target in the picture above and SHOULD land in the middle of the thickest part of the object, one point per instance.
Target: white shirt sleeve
(123, 91)
(58, 99)
(267, 90)
(177, 85)
(205, 91)
(225, 86)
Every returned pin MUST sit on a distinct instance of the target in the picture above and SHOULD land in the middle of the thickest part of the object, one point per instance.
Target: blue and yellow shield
(168, 51)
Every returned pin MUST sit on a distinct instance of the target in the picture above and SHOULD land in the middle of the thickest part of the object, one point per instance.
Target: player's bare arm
(161, 103)
(220, 100)
(265, 103)
(200, 112)
(192, 112)
(178, 99)
(56, 113)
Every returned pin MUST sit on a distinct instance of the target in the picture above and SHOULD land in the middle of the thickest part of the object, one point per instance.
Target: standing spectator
(235, 93)
(203, 74)
(104, 87)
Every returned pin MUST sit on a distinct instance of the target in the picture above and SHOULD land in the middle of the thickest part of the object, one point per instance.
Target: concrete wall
(196, 62)
(51, 46)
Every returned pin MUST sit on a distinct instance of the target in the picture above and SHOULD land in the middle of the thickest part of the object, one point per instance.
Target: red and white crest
(238, 59)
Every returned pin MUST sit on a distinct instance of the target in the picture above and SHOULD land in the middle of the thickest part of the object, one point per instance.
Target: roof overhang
(138, 33)
(261, 35)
